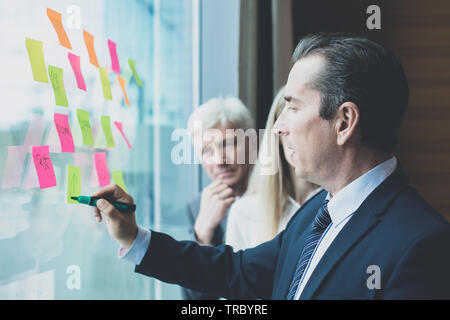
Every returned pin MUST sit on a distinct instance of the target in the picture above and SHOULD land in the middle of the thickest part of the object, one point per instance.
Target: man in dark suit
(370, 235)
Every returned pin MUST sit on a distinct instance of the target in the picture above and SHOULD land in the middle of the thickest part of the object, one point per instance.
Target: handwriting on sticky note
(122, 84)
(14, 166)
(133, 68)
(120, 127)
(102, 169)
(118, 179)
(64, 132)
(106, 126)
(75, 63)
(89, 42)
(113, 53)
(85, 126)
(35, 51)
(106, 86)
(73, 183)
(56, 78)
(56, 20)
(44, 167)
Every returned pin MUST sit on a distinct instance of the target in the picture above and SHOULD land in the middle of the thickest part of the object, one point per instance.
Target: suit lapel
(365, 218)
(303, 220)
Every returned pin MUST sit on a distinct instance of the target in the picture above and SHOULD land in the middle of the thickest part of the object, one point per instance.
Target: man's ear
(346, 121)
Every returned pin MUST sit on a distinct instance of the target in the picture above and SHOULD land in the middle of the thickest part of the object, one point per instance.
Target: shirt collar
(349, 198)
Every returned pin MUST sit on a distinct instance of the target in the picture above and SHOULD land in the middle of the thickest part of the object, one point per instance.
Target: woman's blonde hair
(276, 187)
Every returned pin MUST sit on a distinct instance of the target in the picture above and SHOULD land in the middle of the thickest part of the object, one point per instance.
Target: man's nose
(279, 127)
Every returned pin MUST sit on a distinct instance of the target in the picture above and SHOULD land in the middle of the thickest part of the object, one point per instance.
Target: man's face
(219, 153)
(308, 140)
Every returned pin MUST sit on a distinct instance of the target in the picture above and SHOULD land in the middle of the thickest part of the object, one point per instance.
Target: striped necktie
(321, 222)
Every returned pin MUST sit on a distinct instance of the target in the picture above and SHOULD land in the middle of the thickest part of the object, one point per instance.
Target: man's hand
(121, 226)
(215, 201)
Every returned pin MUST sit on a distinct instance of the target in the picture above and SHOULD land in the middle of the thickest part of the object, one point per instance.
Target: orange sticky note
(89, 41)
(122, 84)
(56, 20)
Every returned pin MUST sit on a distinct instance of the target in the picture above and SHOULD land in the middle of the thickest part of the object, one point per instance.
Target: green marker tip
(74, 198)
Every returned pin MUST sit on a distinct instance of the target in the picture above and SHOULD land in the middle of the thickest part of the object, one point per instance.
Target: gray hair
(221, 111)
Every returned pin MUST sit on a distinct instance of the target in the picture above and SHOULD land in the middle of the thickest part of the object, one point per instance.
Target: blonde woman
(273, 195)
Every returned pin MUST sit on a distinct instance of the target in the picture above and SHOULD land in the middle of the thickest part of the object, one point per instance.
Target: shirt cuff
(138, 248)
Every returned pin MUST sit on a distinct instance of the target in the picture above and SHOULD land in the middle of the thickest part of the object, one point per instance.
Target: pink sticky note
(65, 135)
(119, 126)
(75, 63)
(102, 169)
(44, 167)
(14, 166)
(114, 60)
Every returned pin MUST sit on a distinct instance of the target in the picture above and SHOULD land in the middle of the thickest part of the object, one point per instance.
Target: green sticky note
(106, 125)
(118, 179)
(56, 77)
(133, 68)
(36, 54)
(85, 126)
(73, 183)
(105, 83)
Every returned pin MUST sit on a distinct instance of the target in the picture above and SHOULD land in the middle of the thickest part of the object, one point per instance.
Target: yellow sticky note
(132, 65)
(73, 183)
(85, 126)
(105, 83)
(36, 54)
(106, 126)
(56, 77)
(118, 179)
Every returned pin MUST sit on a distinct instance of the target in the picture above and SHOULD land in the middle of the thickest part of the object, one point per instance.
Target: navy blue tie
(321, 222)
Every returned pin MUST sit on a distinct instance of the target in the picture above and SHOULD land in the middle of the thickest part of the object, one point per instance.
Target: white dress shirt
(246, 220)
(341, 208)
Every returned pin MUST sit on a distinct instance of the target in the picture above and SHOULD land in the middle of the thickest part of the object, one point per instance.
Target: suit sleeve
(188, 294)
(424, 270)
(247, 274)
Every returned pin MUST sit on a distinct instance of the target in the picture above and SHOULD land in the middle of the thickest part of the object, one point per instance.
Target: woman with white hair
(218, 153)
(273, 195)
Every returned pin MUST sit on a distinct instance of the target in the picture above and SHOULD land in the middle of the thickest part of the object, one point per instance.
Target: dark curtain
(265, 48)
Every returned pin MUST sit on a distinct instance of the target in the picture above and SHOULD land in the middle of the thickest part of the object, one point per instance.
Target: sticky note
(64, 132)
(31, 180)
(44, 167)
(102, 169)
(119, 126)
(75, 63)
(73, 183)
(113, 53)
(118, 179)
(56, 77)
(14, 167)
(105, 83)
(56, 20)
(35, 130)
(85, 126)
(89, 42)
(35, 51)
(122, 84)
(106, 126)
(133, 68)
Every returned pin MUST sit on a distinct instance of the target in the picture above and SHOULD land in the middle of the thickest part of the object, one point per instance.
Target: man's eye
(206, 151)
